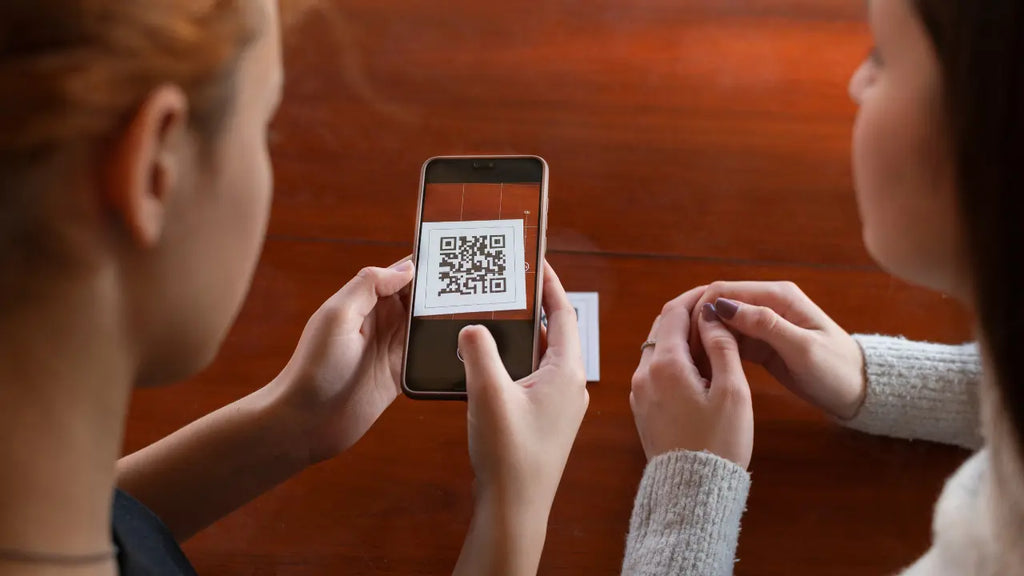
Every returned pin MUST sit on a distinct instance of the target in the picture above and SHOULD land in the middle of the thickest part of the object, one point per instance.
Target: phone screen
(480, 243)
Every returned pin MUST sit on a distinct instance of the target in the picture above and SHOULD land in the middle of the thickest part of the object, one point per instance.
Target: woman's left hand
(346, 369)
(675, 407)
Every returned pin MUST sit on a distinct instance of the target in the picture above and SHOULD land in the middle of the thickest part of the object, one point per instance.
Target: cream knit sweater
(686, 518)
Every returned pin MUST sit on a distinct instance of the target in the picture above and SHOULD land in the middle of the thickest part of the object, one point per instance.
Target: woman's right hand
(779, 327)
(520, 436)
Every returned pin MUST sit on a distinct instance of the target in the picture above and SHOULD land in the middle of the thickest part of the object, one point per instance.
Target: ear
(147, 162)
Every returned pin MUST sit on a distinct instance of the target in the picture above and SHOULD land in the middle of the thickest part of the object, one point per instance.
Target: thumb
(722, 349)
(484, 368)
(361, 294)
(763, 323)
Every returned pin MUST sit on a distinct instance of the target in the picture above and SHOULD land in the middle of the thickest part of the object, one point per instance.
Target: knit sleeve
(922, 391)
(686, 519)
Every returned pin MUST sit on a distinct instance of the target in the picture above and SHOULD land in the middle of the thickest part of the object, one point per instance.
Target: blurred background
(689, 141)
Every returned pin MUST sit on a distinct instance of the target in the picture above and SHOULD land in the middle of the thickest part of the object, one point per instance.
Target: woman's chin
(168, 371)
(917, 269)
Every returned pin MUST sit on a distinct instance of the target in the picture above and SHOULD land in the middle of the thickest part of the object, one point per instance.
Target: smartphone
(479, 254)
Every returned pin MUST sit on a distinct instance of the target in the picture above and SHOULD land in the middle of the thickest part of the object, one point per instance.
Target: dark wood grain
(689, 141)
(666, 124)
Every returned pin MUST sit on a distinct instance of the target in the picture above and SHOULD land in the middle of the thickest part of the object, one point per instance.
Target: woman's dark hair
(980, 44)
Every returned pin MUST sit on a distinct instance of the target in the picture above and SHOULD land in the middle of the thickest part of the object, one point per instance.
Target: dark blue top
(145, 546)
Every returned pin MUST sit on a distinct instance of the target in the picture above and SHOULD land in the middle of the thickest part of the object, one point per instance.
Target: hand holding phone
(345, 369)
(520, 436)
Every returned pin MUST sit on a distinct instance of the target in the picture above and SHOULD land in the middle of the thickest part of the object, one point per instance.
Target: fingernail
(709, 314)
(726, 308)
(404, 266)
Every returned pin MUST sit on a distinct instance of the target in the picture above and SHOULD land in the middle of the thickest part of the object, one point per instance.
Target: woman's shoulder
(962, 526)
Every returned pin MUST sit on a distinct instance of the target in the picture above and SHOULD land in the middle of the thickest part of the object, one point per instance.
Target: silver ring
(648, 344)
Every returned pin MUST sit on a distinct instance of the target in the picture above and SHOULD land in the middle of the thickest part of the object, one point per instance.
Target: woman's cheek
(863, 168)
(875, 149)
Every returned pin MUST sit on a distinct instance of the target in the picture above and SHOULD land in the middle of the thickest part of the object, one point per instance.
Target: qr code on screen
(470, 267)
(473, 265)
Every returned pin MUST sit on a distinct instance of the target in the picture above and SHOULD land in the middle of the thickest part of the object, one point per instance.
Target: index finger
(673, 332)
(785, 298)
(563, 327)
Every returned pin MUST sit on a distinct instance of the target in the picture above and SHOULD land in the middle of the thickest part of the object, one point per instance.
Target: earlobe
(858, 83)
(146, 162)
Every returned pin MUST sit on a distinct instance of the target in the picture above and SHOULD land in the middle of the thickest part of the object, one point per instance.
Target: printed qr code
(473, 265)
(469, 267)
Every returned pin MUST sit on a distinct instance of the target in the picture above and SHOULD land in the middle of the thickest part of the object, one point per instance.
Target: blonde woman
(135, 188)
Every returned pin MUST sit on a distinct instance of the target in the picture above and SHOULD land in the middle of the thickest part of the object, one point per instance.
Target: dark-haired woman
(938, 156)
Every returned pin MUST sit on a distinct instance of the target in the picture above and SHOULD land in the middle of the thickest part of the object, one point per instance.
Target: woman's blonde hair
(73, 75)
(77, 69)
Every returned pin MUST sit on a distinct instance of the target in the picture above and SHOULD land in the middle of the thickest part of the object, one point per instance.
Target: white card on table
(588, 311)
(477, 266)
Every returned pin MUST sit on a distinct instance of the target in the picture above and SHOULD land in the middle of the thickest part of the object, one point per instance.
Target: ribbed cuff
(686, 519)
(918, 390)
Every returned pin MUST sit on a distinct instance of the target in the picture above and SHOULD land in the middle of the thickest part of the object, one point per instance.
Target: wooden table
(688, 141)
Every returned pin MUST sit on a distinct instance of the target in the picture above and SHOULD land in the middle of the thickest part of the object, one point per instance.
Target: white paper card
(477, 266)
(588, 311)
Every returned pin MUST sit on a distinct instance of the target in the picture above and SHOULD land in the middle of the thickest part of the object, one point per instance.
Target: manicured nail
(726, 308)
(709, 313)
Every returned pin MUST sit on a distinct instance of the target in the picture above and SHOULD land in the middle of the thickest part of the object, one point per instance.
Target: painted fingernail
(709, 313)
(726, 308)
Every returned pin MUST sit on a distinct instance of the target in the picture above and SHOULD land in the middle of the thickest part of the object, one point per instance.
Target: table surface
(689, 141)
